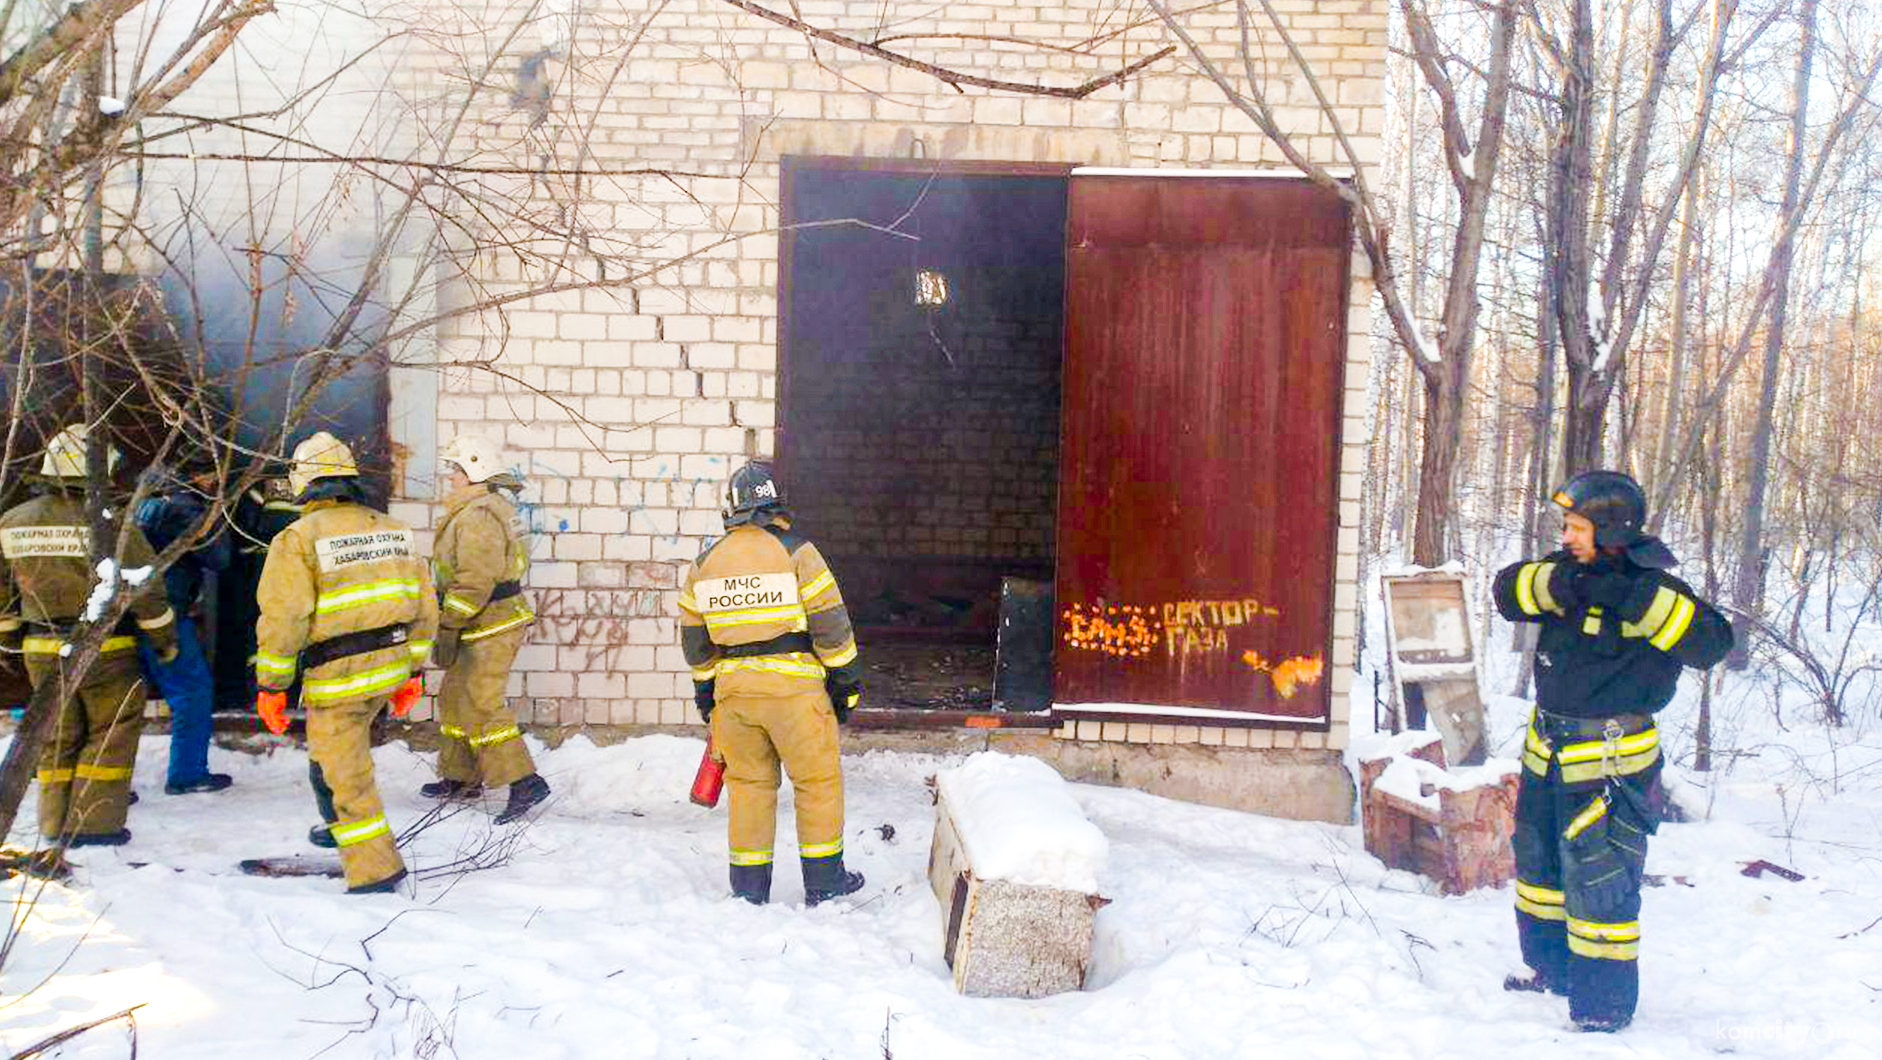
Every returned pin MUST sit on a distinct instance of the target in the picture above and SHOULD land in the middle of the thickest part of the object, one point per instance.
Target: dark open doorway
(918, 402)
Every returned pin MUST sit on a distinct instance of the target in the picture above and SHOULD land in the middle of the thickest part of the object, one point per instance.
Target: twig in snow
(1412, 942)
(1340, 870)
(364, 944)
(1860, 930)
(129, 1016)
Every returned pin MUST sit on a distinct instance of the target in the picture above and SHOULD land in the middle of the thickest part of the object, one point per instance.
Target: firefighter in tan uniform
(479, 563)
(46, 581)
(347, 603)
(763, 626)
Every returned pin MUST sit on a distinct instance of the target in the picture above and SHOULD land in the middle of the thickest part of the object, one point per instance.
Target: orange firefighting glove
(273, 708)
(406, 695)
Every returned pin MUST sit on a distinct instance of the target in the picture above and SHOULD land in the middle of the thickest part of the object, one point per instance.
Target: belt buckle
(1611, 733)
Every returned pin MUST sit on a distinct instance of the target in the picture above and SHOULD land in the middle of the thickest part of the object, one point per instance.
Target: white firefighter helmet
(479, 457)
(65, 454)
(320, 456)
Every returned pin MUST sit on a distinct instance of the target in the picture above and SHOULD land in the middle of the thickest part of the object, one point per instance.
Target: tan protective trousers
(480, 742)
(85, 766)
(339, 737)
(756, 734)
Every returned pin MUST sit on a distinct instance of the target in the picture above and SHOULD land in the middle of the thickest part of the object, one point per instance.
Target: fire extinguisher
(710, 780)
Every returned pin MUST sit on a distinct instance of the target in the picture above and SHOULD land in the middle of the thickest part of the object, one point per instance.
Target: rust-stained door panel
(1199, 461)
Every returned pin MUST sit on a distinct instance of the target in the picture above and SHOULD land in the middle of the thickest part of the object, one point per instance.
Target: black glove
(1562, 585)
(1609, 588)
(1607, 859)
(444, 648)
(845, 693)
(702, 698)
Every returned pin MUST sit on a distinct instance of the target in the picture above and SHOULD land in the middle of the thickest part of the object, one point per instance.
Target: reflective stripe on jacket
(752, 585)
(1595, 662)
(342, 568)
(481, 542)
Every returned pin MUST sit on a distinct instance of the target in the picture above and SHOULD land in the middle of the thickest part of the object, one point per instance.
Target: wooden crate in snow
(1453, 827)
(1006, 939)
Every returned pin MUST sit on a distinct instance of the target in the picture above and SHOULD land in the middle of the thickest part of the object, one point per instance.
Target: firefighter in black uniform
(1616, 628)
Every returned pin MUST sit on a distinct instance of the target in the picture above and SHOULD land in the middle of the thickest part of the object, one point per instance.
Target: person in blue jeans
(174, 508)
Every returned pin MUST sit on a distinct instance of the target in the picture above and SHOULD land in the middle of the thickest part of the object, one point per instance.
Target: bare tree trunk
(1709, 489)
(1571, 170)
(1407, 481)
(1749, 585)
(1437, 464)
(1473, 170)
(1676, 369)
(1542, 448)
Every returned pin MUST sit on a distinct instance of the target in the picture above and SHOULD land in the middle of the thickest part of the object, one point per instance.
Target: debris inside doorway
(916, 676)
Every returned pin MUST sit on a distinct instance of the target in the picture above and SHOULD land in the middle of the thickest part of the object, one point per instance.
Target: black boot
(323, 795)
(318, 835)
(825, 878)
(1533, 983)
(206, 782)
(1602, 1024)
(524, 795)
(752, 883)
(385, 886)
(451, 789)
(101, 839)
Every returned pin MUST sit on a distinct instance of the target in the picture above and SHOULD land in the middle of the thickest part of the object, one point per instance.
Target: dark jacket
(1595, 662)
(164, 518)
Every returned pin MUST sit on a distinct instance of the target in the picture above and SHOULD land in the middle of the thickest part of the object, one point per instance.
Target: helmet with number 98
(749, 491)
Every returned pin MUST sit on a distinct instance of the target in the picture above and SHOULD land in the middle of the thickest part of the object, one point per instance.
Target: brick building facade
(627, 403)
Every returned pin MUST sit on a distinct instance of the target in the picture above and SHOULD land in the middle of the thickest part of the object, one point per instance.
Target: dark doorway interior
(919, 406)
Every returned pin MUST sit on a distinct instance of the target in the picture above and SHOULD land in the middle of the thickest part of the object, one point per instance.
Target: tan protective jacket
(341, 569)
(46, 577)
(481, 544)
(752, 585)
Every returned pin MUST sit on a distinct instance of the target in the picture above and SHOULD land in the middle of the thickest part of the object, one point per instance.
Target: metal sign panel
(1199, 460)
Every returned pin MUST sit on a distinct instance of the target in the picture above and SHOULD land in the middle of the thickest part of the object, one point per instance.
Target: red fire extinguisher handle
(709, 780)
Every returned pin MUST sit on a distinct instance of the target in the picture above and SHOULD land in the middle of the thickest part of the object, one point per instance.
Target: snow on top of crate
(1406, 778)
(1019, 822)
(1374, 746)
(1406, 570)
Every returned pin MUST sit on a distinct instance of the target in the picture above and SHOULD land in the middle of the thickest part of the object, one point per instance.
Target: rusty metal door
(1199, 460)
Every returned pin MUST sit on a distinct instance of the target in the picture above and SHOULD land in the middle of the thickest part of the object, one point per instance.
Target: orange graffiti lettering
(1288, 675)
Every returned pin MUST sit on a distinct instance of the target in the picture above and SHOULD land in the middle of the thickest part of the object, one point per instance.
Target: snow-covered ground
(611, 934)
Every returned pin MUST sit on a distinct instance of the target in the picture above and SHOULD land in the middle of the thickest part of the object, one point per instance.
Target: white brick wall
(659, 390)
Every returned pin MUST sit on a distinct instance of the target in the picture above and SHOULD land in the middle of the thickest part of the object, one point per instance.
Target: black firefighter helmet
(1613, 502)
(751, 490)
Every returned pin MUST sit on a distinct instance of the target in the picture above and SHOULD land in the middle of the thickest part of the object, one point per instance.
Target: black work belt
(353, 644)
(499, 591)
(782, 644)
(1568, 727)
(126, 625)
